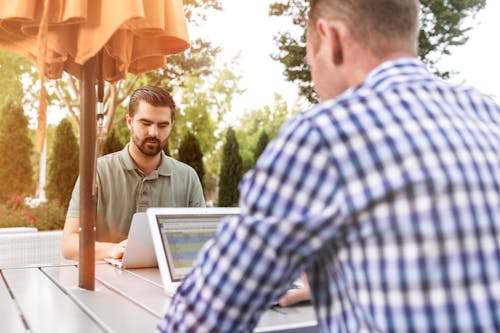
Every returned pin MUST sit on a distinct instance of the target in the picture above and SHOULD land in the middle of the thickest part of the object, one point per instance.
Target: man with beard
(136, 178)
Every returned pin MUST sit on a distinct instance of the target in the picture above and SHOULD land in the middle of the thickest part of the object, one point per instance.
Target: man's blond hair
(382, 26)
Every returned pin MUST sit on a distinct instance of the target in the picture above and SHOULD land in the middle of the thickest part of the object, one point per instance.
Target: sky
(245, 26)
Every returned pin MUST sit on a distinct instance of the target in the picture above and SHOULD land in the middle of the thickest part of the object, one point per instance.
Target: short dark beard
(149, 146)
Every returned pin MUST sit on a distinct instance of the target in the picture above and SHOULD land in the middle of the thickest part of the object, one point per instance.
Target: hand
(116, 250)
(297, 295)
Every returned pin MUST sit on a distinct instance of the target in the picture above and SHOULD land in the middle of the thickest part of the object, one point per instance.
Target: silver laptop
(139, 252)
(178, 234)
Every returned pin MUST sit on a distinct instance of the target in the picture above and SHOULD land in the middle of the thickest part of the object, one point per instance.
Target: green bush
(16, 174)
(190, 153)
(261, 145)
(63, 164)
(117, 138)
(46, 216)
(230, 172)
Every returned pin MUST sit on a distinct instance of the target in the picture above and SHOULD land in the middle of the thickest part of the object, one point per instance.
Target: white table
(47, 299)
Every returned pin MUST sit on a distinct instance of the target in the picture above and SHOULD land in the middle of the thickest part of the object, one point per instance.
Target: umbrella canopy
(134, 35)
(67, 35)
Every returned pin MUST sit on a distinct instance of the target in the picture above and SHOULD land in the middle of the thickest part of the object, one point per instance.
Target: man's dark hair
(152, 95)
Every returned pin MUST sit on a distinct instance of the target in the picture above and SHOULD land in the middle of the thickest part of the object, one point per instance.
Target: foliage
(442, 27)
(16, 174)
(63, 164)
(47, 216)
(230, 172)
(117, 138)
(190, 153)
(202, 104)
(198, 60)
(193, 114)
(261, 145)
(166, 149)
(195, 10)
(256, 121)
(12, 69)
(112, 143)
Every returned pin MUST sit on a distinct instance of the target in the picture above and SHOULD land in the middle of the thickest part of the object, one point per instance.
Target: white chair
(22, 249)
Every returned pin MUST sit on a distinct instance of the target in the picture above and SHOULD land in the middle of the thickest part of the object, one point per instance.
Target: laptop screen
(183, 235)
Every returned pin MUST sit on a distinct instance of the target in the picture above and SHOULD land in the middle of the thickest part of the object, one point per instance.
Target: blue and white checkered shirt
(388, 196)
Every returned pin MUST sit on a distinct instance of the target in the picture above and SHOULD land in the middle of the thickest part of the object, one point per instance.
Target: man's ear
(331, 34)
(129, 121)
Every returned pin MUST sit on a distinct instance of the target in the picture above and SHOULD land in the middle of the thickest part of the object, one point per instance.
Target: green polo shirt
(123, 189)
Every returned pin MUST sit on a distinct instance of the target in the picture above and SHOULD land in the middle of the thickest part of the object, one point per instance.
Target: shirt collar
(388, 74)
(165, 168)
(396, 71)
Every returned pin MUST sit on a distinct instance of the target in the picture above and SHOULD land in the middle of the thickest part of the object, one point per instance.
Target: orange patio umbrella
(93, 40)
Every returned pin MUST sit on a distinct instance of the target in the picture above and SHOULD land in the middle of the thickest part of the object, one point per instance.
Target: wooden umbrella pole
(87, 175)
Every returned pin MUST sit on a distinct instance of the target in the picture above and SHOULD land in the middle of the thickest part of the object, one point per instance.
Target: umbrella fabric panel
(135, 35)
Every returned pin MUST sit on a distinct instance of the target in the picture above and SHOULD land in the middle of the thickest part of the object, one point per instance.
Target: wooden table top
(48, 299)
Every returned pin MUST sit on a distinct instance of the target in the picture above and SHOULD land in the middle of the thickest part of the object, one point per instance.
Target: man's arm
(296, 296)
(197, 199)
(289, 210)
(70, 243)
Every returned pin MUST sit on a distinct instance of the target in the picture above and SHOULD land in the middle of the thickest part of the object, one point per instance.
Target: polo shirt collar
(165, 168)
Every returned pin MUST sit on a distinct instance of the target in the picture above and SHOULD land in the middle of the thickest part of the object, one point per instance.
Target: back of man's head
(382, 26)
(152, 95)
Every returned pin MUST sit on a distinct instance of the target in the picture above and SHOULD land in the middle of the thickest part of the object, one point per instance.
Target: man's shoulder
(112, 163)
(110, 158)
(177, 166)
(110, 155)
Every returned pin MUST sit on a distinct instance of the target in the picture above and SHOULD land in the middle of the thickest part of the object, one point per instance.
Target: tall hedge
(117, 138)
(112, 143)
(16, 174)
(261, 145)
(190, 153)
(230, 172)
(62, 164)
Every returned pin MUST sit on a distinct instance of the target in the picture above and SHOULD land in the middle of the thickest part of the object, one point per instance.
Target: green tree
(230, 172)
(13, 68)
(442, 27)
(62, 164)
(255, 121)
(190, 153)
(261, 145)
(16, 174)
(117, 138)
(202, 103)
(112, 143)
(166, 149)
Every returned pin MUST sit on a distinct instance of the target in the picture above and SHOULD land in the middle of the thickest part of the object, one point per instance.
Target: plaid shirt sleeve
(248, 265)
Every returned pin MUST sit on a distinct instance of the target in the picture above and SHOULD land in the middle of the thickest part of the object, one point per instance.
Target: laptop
(178, 234)
(139, 252)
